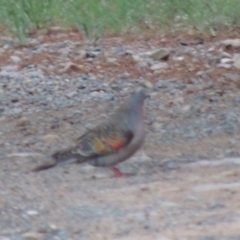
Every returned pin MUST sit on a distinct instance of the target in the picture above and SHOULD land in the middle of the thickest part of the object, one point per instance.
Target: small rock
(236, 61)
(136, 58)
(15, 59)
(192, 42)
(203, 75)
(21, 122)
(147, 84)
(92, 77)
(91, 172)
(210, 187)
(93, 52)
(71, 67)
(161, 84)
(16, 236)
(214, 60)
(169, 204)
(170, 165)
(81, 85)
(224, 65)
(31, 236)
(94, 94)
(17, 111)
(5, 238)
(71, 94)
(111, 60)
(32, 212)
(49, 228)
(180, 58)
(186, 108)
(231, 43)
(50, 138)
(24, 155)
(225, 55)
(61, 235)
(232, 76)
(156, 126)
(226, 60)
(36, 74)
(158, 66)
(125, 75)
(109, 96)
(160, 54)
(177, 101)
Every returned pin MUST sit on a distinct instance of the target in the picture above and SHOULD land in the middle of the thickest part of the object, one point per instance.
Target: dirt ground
(183, 189)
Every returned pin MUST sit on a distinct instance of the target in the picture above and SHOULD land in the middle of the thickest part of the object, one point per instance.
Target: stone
(226, 60)
(17, 110)
(15, 59)
(158, 66)
(71, 94)
(160, 54)
(32, 212)
(72, 67)
(147, 84)
(232, 76)
(213, 60)
(186, 108)
(224, 65)
(31, 236)
(231, 43)
(50, 138)
(236, 60)
(21, 122)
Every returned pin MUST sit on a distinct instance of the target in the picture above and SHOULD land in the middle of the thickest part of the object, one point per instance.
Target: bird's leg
(117, 172)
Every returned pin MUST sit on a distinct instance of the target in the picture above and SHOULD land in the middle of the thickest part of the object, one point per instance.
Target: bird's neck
(136, 113)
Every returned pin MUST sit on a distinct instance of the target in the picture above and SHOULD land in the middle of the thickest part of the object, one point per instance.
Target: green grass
(96, 17)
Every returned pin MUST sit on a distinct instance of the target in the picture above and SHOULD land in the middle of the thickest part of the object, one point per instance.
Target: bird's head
(137, 99)
(139, 95)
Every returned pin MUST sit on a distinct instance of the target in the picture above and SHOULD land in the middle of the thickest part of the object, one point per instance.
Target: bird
(113, 141)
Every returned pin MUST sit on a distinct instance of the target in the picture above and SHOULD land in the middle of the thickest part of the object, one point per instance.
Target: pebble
(21, 122)
(50, 138)
(31, 236)
(160, 54)
(15, 59)
(158, 66)
(147, 84)
(17, 111)
(236, 61)
(226, 60)
(234, 43)
(224, 65)
(32, 212)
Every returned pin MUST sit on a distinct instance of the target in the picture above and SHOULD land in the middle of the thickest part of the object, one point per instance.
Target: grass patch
(96, 17)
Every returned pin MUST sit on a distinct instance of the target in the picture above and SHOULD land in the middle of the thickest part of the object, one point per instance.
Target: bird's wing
(103, 141)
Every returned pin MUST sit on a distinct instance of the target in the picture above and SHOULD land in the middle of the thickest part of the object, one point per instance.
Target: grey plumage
(110, 142)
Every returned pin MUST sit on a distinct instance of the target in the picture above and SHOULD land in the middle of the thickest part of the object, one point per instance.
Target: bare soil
(178, 190)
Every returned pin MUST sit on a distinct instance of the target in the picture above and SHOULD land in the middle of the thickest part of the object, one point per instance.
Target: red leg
(116, 172)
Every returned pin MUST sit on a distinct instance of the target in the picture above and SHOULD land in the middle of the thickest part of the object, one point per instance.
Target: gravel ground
(185, 178)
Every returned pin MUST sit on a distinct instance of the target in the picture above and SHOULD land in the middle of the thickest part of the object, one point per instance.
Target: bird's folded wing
(95, 144)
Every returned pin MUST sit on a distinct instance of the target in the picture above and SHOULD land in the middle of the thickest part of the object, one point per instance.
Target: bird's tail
(44, 167)
(63, 157)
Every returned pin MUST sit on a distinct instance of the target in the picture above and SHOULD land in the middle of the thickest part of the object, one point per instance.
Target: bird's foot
(117, 173)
